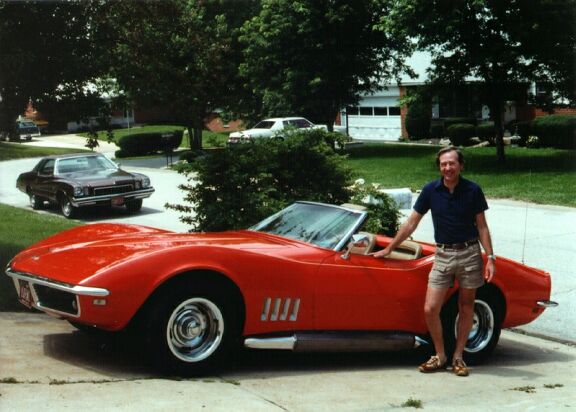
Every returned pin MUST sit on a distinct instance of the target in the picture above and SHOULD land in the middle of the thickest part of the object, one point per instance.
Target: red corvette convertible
(300, 280)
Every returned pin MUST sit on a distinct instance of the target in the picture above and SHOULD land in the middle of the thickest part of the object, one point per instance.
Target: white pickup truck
(273, 127)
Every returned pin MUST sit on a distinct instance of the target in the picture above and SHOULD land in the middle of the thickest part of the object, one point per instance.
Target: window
(394, 111)
(365, 111)
(380, 111)
(352, 111)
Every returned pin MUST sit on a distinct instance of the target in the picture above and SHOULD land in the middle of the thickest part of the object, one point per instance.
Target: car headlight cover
(145, 182)
(80, 191)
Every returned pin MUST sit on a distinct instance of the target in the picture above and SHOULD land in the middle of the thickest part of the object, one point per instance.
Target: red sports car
(300, 280)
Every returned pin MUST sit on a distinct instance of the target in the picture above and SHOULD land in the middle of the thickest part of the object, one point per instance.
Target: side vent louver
(280, 309)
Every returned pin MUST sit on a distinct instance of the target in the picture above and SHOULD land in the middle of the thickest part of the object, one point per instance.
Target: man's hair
(450, 149)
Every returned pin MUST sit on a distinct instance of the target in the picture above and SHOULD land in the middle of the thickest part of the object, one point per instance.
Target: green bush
(383, 213)
(140, 144)
(450, 121)
(460, 133)
(418, 120)
(241, 185)
(437, 130)
(486, 131)
(555, 131)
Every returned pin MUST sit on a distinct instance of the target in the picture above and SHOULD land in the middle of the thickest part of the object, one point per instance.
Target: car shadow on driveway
(91, 214)
(120, 357)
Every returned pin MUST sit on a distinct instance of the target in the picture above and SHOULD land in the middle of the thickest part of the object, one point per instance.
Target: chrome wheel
(36, 202)
(482, 328)
(66, 207)
(195, 329)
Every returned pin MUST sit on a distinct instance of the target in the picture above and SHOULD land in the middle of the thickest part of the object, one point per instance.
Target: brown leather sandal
(459, 368)
(432, 365)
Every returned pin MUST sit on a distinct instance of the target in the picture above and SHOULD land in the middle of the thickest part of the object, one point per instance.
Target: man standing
(457, 207)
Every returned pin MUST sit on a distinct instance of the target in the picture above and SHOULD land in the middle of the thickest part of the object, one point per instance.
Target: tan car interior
(407, 250)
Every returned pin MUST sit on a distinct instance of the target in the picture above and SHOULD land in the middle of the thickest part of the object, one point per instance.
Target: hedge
(460, 133)
(140, 144)
(557, 131)
(486, 131)
(418, 120)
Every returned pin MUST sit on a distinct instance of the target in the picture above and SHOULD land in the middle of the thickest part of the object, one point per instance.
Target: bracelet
(492, 257)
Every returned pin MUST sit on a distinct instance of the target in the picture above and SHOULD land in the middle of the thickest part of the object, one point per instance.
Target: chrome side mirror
(358, 240)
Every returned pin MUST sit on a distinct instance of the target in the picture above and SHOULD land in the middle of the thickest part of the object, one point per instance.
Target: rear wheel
(192, 330)
(68, 210)
(486, 327)
(36, 202)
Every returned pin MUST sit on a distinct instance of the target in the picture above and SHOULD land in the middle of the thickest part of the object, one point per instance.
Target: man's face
(450, 168)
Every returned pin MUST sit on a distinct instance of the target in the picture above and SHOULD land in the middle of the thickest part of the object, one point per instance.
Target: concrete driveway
(46, 365)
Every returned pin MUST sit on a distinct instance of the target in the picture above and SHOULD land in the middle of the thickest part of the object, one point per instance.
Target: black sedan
(77, 180)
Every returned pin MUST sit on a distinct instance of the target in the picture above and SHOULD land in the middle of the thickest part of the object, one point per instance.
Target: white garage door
(375, 118)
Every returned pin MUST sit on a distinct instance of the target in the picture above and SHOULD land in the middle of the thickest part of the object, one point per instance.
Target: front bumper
(52, 297)
(107, 199)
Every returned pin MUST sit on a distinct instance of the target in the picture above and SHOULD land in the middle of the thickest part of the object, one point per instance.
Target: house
(379, 116)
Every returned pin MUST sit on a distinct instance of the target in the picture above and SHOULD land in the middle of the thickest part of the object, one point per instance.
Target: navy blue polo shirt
(453, 214)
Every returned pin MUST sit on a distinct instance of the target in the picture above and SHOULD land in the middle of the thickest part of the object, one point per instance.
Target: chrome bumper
(92, 200)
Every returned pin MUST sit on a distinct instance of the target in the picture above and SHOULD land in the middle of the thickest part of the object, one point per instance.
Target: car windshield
(322, 225)
(264, 124)
(26, 124)
(84, 163)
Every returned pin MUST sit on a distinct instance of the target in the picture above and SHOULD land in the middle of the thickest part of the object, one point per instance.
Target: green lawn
(19, 229)
(9, 151)
(545, 176)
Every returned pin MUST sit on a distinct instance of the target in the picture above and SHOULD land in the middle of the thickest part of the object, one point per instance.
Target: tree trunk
(195, 136)
(496, 112)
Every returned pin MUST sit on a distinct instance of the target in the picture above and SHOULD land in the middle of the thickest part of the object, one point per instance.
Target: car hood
(98, 178)
(76, 254)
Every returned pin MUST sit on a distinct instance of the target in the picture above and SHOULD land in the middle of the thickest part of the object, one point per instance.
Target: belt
(457, 246)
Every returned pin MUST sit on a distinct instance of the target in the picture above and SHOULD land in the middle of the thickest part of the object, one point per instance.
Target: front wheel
(134, 206)
(68, 210)
(486, 326)
(191, 332)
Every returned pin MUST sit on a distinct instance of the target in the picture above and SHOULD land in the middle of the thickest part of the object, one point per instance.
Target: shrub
(486, 131)
(450, 121)
(556, 131)
(383, 214)
(239, 186)
(140, 144)
(437, 130)
(418, 120)
(460, 133)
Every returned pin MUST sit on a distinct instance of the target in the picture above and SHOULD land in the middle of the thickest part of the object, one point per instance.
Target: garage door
(375, 118)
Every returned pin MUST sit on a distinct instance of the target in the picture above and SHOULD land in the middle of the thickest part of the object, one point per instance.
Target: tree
(47, 54)
(501, 44)
(314, 57)
(178, 55)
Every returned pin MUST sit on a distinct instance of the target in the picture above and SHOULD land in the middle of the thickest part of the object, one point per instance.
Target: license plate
(25, 294)
(117, 201)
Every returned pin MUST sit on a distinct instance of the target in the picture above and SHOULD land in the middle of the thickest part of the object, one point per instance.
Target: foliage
(486, 131)
(32, 227)
(555, 131)
(92, 140)
(48, 54)
(236, 187)
(383, 213)
(418, 118)
(437, 130)
(182, 51)
(313, 57)
(460, 133)
(503, 44)
(138, 144)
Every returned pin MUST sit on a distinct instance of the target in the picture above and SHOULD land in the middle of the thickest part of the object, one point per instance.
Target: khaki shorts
(465, 265)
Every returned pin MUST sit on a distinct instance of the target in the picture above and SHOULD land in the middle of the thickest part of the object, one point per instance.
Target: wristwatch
(492, 257)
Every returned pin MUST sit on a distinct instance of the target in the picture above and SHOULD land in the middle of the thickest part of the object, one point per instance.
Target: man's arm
(486, 241)
(405, 230)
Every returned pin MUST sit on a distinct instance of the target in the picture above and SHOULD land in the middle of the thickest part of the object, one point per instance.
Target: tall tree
(501, 44)
(316, 56)
(46, 53)
(177, 54)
